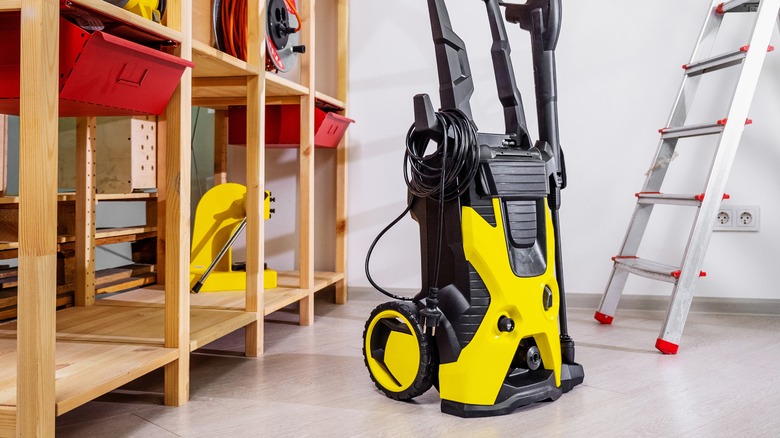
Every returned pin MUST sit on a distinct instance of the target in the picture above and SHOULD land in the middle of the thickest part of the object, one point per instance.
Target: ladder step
(738, 6)
(649, 269)
(715, 63)
(669, 199)
(719, 62)
(696, 130)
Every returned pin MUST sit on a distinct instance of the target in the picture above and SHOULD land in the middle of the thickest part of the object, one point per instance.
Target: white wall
(619, 68)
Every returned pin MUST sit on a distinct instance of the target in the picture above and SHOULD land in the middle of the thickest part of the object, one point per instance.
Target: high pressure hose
(443, 175)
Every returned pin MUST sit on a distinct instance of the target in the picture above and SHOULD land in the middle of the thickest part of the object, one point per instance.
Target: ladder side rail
(666, 147)
(698, 242)
(702, 50)
(658, 166)
(684, 100)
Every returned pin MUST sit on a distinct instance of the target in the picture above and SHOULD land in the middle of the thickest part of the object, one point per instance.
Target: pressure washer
(488, 328)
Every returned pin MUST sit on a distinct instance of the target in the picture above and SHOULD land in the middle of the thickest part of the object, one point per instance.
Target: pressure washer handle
(455, 83)
(228, 244)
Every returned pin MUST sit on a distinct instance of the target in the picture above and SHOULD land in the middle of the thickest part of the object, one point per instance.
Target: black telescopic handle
(455, 83)
(506, 84)
(542, 18)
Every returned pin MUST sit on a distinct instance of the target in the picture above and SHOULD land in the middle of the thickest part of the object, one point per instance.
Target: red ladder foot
(602, 318)
(666, 347)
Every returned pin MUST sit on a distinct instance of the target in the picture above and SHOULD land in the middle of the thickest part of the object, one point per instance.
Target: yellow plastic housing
(144, 8)
(219, 213)
(491, 351)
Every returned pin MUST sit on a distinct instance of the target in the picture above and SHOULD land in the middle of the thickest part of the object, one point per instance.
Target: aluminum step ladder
(729, 130)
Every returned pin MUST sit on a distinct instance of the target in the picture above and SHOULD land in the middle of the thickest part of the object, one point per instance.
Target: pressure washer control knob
(547, 298)
(506, 324)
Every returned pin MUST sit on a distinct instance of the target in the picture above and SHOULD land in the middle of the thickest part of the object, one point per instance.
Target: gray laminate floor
(725, 382)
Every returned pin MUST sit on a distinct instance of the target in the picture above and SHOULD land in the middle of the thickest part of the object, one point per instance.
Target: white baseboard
(747, 306)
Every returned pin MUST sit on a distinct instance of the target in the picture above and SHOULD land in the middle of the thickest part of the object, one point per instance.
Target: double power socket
(737, 218)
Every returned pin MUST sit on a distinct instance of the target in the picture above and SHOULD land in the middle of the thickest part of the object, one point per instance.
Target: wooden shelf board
(281, 297)
(71, 197)
(222, 92)
(11, 200)
(136, 21)
(84, 371)
(279, 86)
(219, 103)
(287, 293)
(114, 235)
(329, 100)
(106, 236)
(229, 88)
(138, 325)
(9, 6)
(125, 196)
(210, 63)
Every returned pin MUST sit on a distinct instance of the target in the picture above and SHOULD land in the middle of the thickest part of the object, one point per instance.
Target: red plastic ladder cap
(604, 319)
(666, 347)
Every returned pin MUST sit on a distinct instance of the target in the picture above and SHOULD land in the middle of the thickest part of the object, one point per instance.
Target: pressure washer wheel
(399, 357)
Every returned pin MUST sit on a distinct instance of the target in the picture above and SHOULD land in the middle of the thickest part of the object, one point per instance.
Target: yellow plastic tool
(220, 212)
(149, 9)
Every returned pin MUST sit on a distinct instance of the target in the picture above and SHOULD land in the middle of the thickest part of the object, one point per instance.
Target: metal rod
(196, 288)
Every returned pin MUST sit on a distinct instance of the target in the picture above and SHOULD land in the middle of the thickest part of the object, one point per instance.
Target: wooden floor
(312, 382)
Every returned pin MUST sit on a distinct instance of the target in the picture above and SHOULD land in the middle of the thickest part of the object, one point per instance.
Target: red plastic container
(100, 74)
(283, 127)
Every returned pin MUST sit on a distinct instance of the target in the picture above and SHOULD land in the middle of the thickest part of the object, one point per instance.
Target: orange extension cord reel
(282, 31)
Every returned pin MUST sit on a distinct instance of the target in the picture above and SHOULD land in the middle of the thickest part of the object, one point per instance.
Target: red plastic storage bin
(283, 126)
(100, 74)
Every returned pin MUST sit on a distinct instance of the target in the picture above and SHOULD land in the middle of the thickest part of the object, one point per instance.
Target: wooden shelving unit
(221, 81)
(44, 373)
(53, 361)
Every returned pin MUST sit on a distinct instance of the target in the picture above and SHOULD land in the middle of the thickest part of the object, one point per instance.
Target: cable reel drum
(283, 38)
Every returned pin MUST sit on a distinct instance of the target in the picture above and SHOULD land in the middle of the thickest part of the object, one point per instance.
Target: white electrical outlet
(746, 218)
(737, 218)
(724, 221)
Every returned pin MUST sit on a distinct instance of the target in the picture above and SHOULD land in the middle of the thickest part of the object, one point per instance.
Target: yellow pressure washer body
(488, 328)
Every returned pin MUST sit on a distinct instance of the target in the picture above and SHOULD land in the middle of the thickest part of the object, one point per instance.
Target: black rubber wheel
(399, 357)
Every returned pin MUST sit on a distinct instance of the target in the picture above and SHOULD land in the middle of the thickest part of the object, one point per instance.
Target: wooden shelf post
(255, 180)
(86, 128)
(178, 121)
(3, 153)
(38, 206)
(306, 165)
(221, 143)
(341, 152)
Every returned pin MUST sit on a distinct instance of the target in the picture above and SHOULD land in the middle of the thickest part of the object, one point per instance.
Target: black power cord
(442, 175)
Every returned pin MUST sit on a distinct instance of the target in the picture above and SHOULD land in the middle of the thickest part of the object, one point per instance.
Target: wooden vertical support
(221, 142)
(306, 163)
(341, 152)
(150, 254)
(85, 211)
(162, 196)
(3, 153)
(178, 118)
(36, 335)
(255, 179)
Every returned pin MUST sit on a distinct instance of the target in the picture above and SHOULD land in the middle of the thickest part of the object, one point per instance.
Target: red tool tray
(100, 74)
(283, 126)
